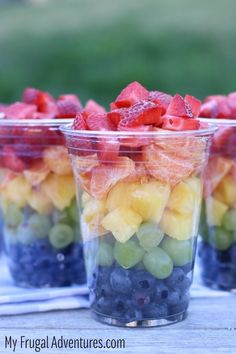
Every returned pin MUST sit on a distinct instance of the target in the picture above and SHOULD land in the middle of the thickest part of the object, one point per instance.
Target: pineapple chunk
(37, 173)
(17, 191)
(120, 195)
(186, 196)
(122, 222)
(85, 198)
(215, 211)
(149, 200)
(93, 213)
(40, 202)
(59, 189)
(178, 226)
(57, 158)
(226, 191)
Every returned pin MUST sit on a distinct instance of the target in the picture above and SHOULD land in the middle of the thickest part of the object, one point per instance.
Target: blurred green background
(95, 47)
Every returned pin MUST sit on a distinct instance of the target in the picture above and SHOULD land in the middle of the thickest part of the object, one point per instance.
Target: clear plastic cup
(217, 248)
(139, 215)
(41, 229)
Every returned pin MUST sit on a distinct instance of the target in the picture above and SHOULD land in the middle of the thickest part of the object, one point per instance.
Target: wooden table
(209, 328)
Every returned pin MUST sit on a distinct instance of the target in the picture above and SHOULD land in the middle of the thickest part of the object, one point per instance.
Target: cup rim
(68, 131)
(219, 121)
(52, 122)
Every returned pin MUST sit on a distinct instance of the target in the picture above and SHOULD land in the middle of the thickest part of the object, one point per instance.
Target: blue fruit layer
(218, 268)
(134, 294)
(40, 265)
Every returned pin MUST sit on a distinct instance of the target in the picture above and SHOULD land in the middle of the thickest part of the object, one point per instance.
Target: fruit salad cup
(139, 195)
(217, 249)
(41, 230)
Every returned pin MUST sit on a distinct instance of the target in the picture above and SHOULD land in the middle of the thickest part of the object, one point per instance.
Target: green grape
(40, 225)
(25, 234)
(181, 252)
(128, 254)
(221, 239)
(73, 211)
(158, 263)
(229, 220)
(61, 217)
(105, 254)
(13, 216)
(149, 236)
(61, 235)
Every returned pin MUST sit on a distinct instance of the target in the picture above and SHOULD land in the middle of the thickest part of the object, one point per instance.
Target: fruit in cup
(217, 249)
(38, 193)
(144, 193)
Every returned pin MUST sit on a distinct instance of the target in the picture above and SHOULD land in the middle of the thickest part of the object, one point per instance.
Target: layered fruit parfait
(217, 248)
(138, 169)
(41, 229)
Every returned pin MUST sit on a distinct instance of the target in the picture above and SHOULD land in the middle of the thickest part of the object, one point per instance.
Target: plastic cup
(139, 214)
(217, 248)
(41, 230)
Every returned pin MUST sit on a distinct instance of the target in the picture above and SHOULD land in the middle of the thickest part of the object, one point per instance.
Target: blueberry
(140, 299)
(225, 280)
(184, 285)
(175, 278)
(121, 304)
(104, 305)
(187, 267)
(142, 280)
(181, 306)
(162, 292)
(155, 311)
(173, 298)
(120, 281)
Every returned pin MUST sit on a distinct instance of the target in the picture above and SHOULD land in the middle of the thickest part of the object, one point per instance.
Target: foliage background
(95, 47)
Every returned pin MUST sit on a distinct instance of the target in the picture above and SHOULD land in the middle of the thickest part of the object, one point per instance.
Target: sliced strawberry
(47, 104)
(67, 109)
(194, 104)
(231, 99)
(11, 160)
(215, 98)
(224, 109)
(160, 98)
(40, 115)
(108, 149)
(70, 97)
(130, 95)
(20, 110)
(143, 112)
(179, 108)
(209, 109)
(99, 121)
(93, 107)
(116, 115)
(31, 95)
(136, 141)
(79, 122)
(178, 124)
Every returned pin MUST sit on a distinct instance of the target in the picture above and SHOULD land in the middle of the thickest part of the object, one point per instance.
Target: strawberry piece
(143, 112)
(67, 109)
(224, 140)
(104, 177)
(135, 141)
(160, 98)
(31, 96)
(12, 161)
(20, 110)
(108, 149)
(40, 115)
(178, 124)
(47, 104)
(99, 121)
(79, 122)
(116, 115)
(93, 107)
(179, 108)
(130, 95)
(70, 97)
(209, 109)
(217, 98)
(194, 104)
(224, 109)
(231, 100)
